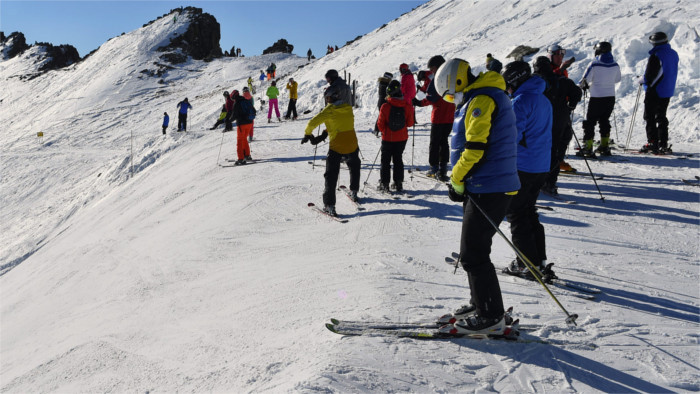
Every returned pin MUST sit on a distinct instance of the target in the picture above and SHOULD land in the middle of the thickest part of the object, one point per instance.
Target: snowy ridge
(189, 276)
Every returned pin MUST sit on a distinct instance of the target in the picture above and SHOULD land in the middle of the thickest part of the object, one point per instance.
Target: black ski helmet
(658, 38)
(394, 89)
(331, 75)
(226, 93)
(436, 61)
(542, 66)
(602, 47)
(516, 73)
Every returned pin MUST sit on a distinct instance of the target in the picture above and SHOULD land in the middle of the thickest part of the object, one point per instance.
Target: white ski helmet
(451, 78)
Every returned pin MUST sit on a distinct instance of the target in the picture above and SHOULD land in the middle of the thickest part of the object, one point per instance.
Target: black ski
(575, 289)
(557, 197)
(322, 212)
(346, 191)
(546, 208)
(693, 182)
(598, 177)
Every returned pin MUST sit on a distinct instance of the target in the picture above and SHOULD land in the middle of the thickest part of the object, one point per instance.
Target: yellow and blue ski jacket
(484, 146)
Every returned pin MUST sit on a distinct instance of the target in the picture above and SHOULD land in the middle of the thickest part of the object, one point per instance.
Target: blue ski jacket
(533, 114)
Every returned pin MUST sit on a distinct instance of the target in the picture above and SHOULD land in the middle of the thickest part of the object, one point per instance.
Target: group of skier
(508, 135)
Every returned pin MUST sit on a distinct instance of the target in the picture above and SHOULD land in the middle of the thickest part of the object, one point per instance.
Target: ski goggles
(559, 52)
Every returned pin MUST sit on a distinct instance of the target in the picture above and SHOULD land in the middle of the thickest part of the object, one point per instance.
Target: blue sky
(250, 25)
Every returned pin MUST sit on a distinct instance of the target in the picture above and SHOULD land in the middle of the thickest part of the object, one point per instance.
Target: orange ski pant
(242, 141)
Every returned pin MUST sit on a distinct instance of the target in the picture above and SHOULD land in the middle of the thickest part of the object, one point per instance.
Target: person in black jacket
(382, 83)
(244, 125)
(564, 95)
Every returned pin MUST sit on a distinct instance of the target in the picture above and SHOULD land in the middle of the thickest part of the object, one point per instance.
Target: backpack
(397, 118)
(248, 109)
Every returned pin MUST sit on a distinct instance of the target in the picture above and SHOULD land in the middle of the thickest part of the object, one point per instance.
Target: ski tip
(455, 255)
(450, 260)
(311, 204)
(331, 327)
(335, 321)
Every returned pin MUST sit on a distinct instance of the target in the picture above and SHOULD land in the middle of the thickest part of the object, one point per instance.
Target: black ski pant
(292, 109)
(181, 122)
(561, 136)
(333, 170)
(392, 152)
(475, 250)
(164, 128)
(527, 233)
(439, 150)
(599, 111)
(655, 115)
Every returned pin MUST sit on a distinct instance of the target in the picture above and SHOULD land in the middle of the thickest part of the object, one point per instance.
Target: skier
(564, 95)
(441, 120)
(184, 105)
(309, 54)
(251, 100)
(222, 117)
(659, 81)
(484, 177)
(533, 115)
(250, 85)
(601, 76)
(272, 93)
(394, 120)
(228, 104)
(492, 64)
(339, 120)
(243, 127)
(408, 86)
(559, 66)
(292, 107)
(262, 77)
(166, 121)
(382, 83)
(556, 56)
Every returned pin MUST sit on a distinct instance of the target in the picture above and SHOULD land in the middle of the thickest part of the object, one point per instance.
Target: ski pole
(570, 318)
(617, 137)
(634, 115)
(220, 145)
(313, 163)
(370, 170)
(413, 142)
(591, 172)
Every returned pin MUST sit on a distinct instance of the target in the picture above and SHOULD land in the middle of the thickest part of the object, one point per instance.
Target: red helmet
(403, 66)
(234, 93)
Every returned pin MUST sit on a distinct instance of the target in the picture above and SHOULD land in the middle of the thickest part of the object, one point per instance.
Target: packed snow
(133, 261)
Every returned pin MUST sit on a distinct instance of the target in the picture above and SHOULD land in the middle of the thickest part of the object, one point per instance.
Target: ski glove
(416, 102)
(456, 192)
(317, 140)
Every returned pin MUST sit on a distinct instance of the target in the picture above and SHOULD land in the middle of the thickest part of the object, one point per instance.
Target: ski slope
(189, 274)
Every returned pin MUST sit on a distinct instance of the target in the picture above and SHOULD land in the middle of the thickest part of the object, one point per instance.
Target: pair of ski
(425, 330)
(345, 191)
(598, 177)
(575, 289)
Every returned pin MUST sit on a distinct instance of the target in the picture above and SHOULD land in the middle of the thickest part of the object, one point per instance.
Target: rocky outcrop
(281, 46)
(200, 41)
(13, 45)
(58, 56)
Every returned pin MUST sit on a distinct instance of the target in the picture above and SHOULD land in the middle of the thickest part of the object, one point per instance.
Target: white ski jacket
(601, 76)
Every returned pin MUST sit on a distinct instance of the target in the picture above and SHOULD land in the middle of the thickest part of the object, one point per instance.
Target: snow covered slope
(190, 276)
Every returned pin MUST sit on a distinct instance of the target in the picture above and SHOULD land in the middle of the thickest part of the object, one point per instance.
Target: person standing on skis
(272, 94)
(183, 105)
(244, 126)
(533, 115)
(484, 179)
(292, 86)
(394, 120)
(564, 95)
(339, 120)
(659, 81)
(441, 119)
(600, 77)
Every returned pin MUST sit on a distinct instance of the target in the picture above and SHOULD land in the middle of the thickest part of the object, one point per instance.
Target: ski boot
(240, 162)
(550, 190)
(249, 158)
(353, 196)
(651, 147)
(476, 325)
(604, 150)
(462, 313)
(566, 167)
(397, 187)
(432, 172)
(383, 187)
(518, 269)
(330, 209)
